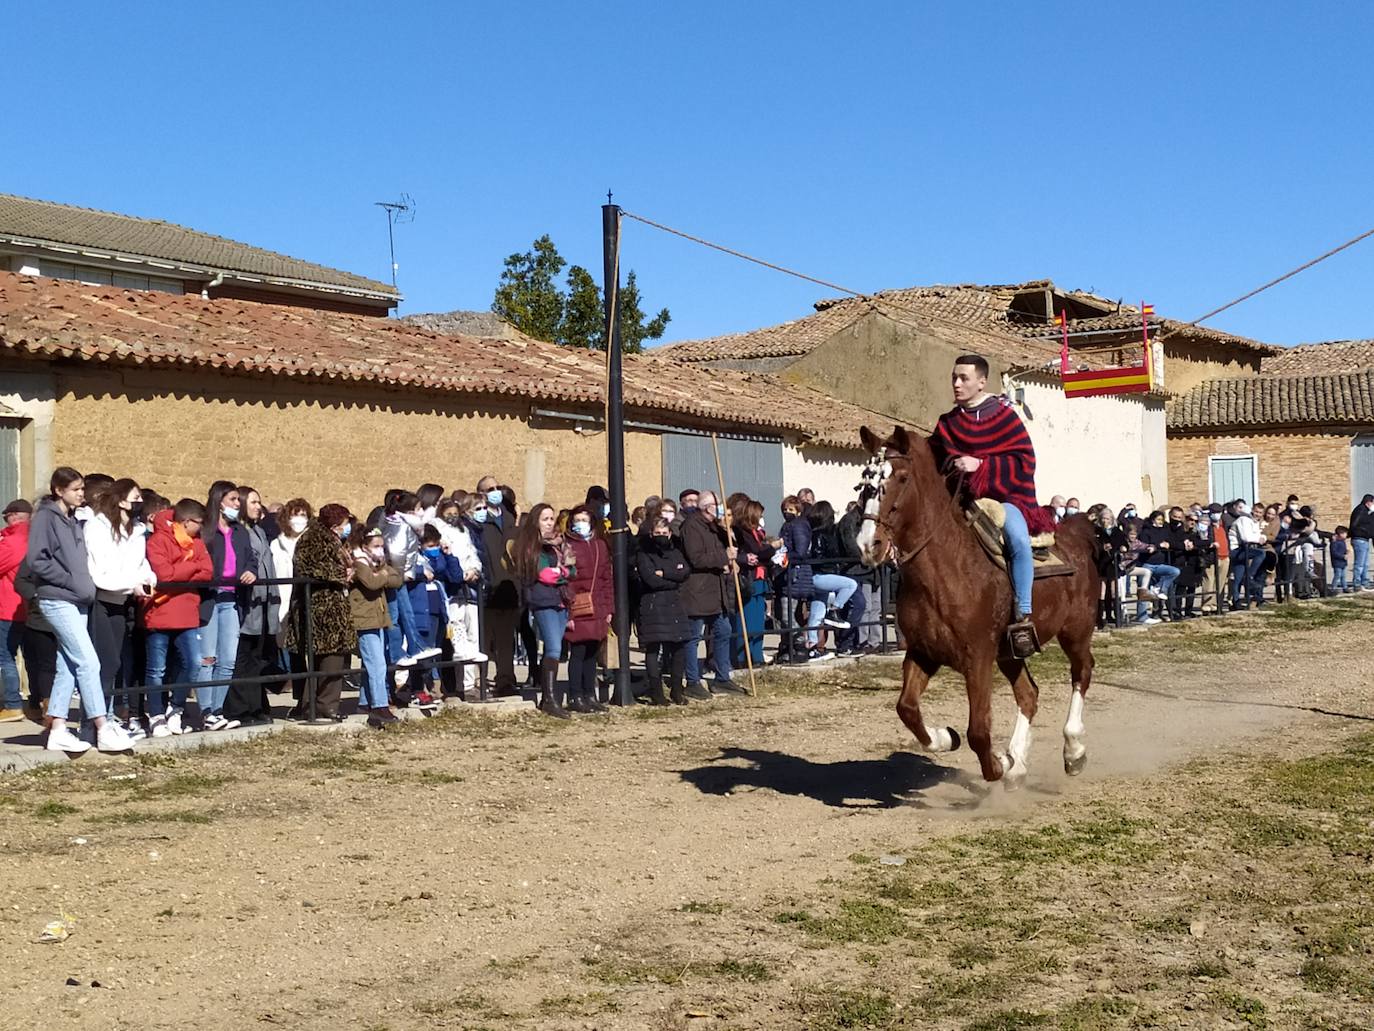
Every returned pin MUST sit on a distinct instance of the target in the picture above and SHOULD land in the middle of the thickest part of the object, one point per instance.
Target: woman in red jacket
(592, 588)
(172, 614)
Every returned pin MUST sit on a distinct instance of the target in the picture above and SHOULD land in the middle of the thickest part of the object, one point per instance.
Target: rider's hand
(967, 463)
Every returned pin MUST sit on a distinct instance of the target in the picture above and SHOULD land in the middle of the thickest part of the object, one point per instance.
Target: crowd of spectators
(110, 591)
(1181, 563)
(142, 607)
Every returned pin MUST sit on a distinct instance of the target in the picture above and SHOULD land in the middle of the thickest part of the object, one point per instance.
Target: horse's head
(902, 468)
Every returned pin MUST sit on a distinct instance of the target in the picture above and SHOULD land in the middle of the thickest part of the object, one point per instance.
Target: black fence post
(482, 679)
(310, 683)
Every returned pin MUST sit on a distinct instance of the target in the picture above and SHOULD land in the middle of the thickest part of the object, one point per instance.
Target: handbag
(583, 604)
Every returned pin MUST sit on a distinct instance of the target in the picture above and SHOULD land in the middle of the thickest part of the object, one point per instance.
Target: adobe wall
(327, 442)
(1189, 361)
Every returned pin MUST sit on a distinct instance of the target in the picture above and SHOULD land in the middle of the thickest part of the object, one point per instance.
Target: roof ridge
(161, 223)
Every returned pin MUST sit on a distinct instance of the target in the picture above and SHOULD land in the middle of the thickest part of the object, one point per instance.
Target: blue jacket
(796, 534)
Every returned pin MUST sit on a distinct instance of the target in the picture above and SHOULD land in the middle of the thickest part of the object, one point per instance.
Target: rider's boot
(1022, 640)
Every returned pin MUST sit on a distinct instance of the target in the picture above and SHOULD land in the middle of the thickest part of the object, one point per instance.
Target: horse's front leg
(979, 681)
(1016, 759)
(916, 673)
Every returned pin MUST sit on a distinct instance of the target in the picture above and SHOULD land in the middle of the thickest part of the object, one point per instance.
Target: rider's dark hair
(976, 360)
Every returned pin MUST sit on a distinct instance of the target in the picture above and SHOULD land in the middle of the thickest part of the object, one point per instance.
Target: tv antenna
(398, 212)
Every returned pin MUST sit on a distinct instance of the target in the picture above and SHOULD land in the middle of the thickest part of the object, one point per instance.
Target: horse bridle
(874, 517)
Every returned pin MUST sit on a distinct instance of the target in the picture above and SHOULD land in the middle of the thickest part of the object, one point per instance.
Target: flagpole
(1145, 310)
(1064, 368)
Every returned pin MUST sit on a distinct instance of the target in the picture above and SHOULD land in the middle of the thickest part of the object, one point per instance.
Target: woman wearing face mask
(593, 604)
(540, 563)
(259, 621)
(117, 555)
(663, 624)
(226, 538)
(322, 555)
(295, 516)
(428, 495)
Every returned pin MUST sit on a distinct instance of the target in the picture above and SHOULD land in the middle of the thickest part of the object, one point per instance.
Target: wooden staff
(739, 595)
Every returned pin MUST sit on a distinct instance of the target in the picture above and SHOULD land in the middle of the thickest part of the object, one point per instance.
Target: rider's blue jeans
(1019, 558)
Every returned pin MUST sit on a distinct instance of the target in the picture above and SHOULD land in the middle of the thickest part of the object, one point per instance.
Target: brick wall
(179, 431)
(1315, 466)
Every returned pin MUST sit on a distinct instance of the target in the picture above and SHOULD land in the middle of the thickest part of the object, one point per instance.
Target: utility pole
(615, 446)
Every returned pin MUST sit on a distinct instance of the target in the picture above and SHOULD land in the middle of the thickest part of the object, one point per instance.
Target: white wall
(833, 473)
(1097, 449)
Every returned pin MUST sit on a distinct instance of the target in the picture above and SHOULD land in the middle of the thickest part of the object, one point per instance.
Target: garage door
(752, 466)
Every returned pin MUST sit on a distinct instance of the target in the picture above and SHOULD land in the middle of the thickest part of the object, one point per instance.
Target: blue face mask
(231, 514)
(433, 552)
(583, 530)
(495, 497)
(605, 511)
(344, 530)
(479, 515)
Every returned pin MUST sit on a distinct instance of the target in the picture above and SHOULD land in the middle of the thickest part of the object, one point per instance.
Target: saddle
(987, 518)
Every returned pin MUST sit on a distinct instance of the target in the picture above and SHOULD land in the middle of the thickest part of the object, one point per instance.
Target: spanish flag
(1148, 309)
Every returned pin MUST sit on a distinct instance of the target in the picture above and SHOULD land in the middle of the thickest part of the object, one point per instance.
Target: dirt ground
(785, 861)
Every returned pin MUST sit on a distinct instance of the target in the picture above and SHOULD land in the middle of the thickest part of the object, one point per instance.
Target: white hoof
(1013, 772)
(943, 739)
(1075, 761)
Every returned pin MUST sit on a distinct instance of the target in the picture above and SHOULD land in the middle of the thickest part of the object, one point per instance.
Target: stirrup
(1022, 640)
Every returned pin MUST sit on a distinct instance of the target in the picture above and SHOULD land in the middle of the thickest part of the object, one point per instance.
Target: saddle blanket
(986, 517)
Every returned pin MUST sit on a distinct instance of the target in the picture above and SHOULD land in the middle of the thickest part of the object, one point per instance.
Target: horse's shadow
(886, 783)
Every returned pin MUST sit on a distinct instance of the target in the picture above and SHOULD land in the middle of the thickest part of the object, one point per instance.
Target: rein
(955, 481)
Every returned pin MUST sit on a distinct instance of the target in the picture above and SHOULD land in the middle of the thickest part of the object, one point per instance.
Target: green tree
(529, 297)
(633, 329)
(584, 318)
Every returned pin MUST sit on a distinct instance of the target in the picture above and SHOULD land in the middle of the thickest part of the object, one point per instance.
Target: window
(1233, 477)
(1361, 467)
(107, 277)
(9, 460)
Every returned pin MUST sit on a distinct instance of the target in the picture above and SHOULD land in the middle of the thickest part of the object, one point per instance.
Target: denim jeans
(755, 608)
(156, 646)
(219, 639)
(372, 649)
(1246, 565)
(1338, 582)
(1020, 559)
(1162, 577)
(823, 585)
(78, 666)
(402, 638)
(720, 648)
(1360, 545)
(549, 625)
(10, 635)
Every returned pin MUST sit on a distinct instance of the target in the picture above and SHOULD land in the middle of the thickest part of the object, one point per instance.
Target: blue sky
(1177, 153)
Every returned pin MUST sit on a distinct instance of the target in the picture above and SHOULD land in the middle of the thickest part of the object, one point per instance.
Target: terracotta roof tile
(1317, 359)
(57, 319)
(45, 221)
(1265, 400)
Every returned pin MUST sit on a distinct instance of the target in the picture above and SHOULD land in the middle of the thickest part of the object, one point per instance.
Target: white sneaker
(112, 738)
(406, 660)
(134, 728)
(230, 724)
(402, 677)
(157, 727)
(1149, 621)
(426, 653)
(214, 721)
(834, 619)
(175, 724)
(64, 740)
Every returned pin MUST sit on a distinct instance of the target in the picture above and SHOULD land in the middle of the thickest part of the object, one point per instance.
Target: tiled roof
(111, 234)
(469, 323)
(1320, 359)
(1340, 398)
(56, 319)
(979, 316)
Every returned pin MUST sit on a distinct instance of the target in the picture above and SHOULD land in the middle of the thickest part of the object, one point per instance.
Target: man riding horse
(988, 443)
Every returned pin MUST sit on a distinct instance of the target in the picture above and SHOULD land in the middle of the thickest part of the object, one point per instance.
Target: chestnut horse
(954, 605)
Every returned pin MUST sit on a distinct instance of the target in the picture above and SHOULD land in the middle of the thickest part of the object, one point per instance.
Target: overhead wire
(1027, 342)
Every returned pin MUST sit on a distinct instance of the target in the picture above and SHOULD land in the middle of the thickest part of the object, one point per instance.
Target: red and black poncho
(994, 433)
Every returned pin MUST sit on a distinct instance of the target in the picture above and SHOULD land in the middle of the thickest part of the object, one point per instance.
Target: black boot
(656, 695)
(548, 699)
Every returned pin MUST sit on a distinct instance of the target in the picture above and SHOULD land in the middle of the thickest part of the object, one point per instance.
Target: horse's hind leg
(916, 674)
(1016, 759)
(1081, 669)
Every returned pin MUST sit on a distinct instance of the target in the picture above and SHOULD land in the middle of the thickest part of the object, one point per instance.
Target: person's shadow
(887, 783)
